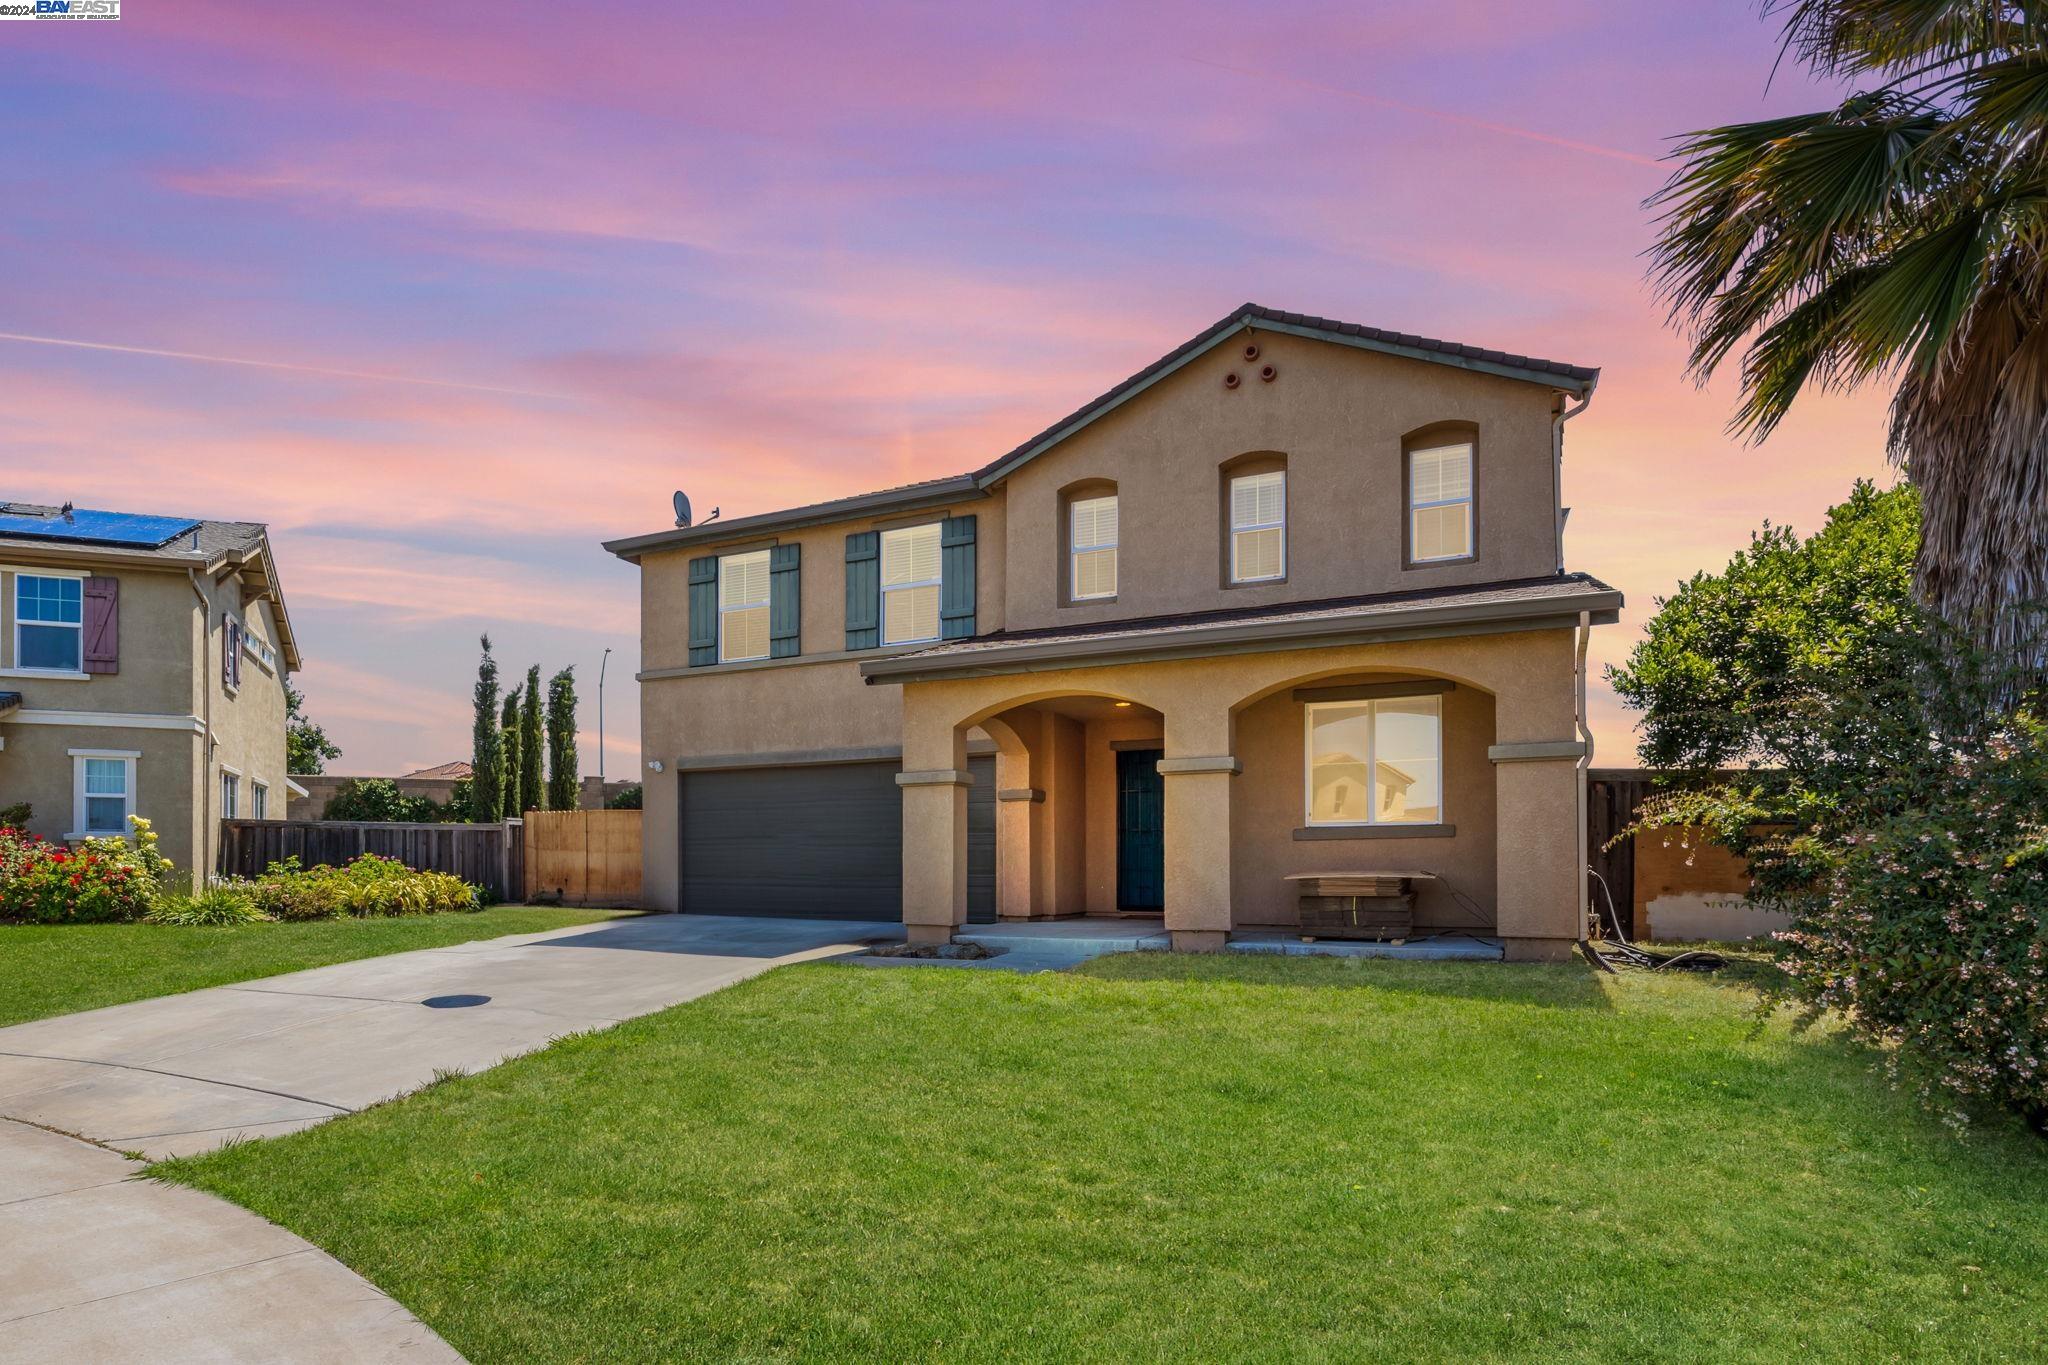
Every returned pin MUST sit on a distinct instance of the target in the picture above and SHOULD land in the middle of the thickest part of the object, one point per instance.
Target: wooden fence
(490, 856)
(587, 857)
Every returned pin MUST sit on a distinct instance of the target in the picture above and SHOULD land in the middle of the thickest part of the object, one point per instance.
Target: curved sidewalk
(109, 1269)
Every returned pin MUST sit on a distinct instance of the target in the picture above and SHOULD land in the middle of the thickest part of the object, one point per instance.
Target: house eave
(1252, 637)
(936, 494)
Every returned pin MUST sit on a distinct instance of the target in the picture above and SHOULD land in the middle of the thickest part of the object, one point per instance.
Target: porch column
(934, 784)
(1197, 773)
(1536, 794)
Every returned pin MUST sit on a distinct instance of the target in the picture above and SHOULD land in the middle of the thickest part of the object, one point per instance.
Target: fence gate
(587, 857)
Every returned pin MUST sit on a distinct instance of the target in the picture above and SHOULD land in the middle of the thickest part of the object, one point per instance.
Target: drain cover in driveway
(454, 1002)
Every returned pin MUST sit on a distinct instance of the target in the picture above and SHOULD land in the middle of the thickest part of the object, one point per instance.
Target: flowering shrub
(368, 886)
(1907, 833)
(45, 883)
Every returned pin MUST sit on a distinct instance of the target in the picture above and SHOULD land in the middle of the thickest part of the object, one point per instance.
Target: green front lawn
(1180, 1158)
(50, 969)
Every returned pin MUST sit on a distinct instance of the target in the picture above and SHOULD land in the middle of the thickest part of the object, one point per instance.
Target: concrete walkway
(97, 1267)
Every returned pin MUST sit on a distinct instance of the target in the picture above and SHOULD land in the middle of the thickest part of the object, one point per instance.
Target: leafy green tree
(531, 743)
(487, 750)
(626, 798)
(1896, 238)
(508, 747)
(306, 746)
(378, 798)
(562, 776)
(1725, 652)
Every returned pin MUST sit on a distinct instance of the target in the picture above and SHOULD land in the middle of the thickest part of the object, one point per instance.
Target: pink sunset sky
(447, 294)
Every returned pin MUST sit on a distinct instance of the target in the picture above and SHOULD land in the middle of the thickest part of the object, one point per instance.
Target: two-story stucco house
(142, 672)
(1291, 600)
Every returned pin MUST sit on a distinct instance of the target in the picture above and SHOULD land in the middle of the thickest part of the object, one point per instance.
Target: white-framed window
(102, 792)
(263, 654)
(230, 793)
(1378, 761)
(743, 606)
(259, 801)
(1091, 539)
(1258, 527)
(49, 622)
(1440, 503)
(910, 584)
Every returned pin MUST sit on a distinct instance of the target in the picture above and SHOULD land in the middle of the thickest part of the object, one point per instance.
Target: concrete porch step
(1087, 937)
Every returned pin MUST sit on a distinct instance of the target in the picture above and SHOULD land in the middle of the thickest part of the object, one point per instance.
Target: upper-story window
(1258, 527)
(1091, 553)
(743, 606)
(1440, 502)
(910, 584)
(49, 623)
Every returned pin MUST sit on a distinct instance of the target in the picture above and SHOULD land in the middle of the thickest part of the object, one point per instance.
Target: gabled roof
(198, 543)
(456, 769)
(1577, 380)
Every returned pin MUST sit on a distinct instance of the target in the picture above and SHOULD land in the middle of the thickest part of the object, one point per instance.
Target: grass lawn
(50, 969)
(1172, 1157)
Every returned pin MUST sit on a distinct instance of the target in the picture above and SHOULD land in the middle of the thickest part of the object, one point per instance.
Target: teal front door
(1140, 830)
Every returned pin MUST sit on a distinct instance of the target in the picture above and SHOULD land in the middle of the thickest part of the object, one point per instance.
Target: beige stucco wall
(1229, 838)
(1267, 806)
(161, 679)
(815, 702)
(1338, 414)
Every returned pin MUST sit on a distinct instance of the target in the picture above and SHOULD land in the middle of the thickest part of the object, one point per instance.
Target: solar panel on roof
(87, 527)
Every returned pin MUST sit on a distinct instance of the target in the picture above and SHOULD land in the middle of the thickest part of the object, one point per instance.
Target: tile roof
(1566, 593)
(455, 769)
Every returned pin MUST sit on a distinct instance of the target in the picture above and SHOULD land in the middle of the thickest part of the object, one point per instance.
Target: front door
(1140, 826)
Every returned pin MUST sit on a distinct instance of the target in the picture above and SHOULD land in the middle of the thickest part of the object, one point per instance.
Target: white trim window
(1258, 527)
(1374, 762)
(910, 584)
(102, 792)
(1091, 553)
(49, 623)
(230, 793)
(1440, 503)
(743, 607)
(259, 801)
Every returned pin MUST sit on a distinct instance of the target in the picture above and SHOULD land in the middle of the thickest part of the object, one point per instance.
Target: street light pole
(600, 725)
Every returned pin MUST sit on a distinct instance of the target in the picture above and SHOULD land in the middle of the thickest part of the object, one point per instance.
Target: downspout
(202, 860)
(1563, 415)
(1585, 764)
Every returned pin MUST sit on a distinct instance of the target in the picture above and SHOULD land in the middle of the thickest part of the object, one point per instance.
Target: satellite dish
(682, 502)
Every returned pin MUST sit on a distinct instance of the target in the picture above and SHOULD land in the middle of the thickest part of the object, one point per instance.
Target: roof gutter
(202, 863)
(1564, 414)
(937, 494)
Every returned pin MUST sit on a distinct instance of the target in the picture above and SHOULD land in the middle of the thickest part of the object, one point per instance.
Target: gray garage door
(823, 841)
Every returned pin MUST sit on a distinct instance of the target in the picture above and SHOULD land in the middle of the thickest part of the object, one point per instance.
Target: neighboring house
(1145, 662)
(143, 662)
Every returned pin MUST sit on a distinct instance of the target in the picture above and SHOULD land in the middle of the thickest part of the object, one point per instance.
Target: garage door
(823, 841)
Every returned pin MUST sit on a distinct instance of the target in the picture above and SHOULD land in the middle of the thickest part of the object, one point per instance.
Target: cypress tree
(562, 778)
(487, 756)
(508, 745)
(530, 745)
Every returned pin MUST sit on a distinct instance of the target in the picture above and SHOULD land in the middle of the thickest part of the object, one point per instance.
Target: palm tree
(1898, 238)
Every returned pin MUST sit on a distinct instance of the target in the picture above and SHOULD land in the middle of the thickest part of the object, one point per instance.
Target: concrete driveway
(103, 1268)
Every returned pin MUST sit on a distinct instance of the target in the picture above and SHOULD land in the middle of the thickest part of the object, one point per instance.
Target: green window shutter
(864, 590)
(785, 601)
(704, 611)
(956, 578)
